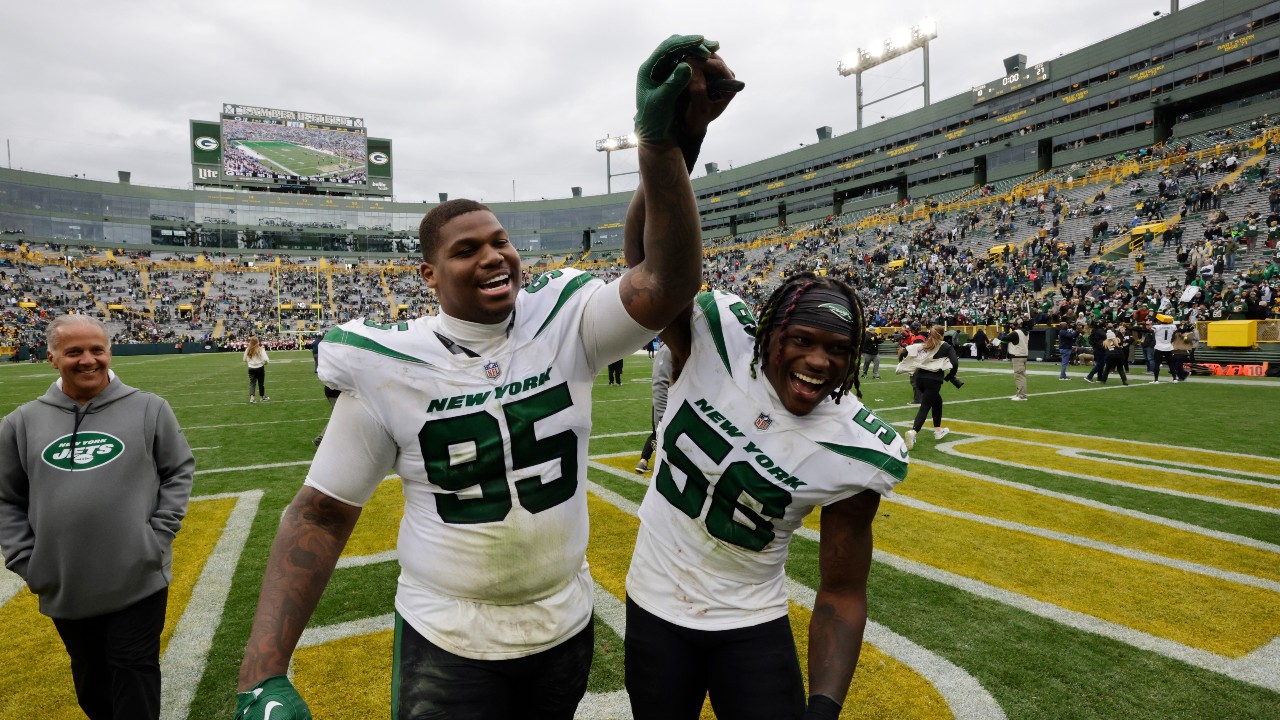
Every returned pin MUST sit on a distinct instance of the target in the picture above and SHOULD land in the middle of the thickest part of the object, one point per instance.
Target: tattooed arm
(663, 234)
(840, 610)
(312, 534)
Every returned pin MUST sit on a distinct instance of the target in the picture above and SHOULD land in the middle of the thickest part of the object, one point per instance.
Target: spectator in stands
(933, 362)
(255, 356)
(96, 548)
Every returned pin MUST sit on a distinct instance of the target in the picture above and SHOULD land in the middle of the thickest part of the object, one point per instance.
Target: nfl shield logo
(491, 369)
(763, 422)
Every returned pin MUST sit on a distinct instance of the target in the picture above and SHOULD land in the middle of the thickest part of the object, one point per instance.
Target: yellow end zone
(1207, 458)
(1202, 612)
(37, 681)
(1050, 460)
(379, 523)
(968, 494)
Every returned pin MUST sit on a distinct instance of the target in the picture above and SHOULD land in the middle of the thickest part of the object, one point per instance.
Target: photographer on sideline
(1015, 340)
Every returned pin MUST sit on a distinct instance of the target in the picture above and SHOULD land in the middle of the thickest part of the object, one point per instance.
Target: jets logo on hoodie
(92, 450)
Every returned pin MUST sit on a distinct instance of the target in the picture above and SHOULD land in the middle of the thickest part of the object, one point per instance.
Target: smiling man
(759, 430)
(94, 481)
(484, 411)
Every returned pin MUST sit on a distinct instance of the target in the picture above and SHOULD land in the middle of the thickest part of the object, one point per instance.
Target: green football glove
(272, 699)
(659, 83)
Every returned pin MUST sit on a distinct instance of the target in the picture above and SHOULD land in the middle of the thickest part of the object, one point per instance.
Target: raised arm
(840, 610)
(681, 88)
(312, 534)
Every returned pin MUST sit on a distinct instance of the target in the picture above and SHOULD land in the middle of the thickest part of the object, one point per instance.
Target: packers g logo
(93, 450)
(206, 143)
(379, 158)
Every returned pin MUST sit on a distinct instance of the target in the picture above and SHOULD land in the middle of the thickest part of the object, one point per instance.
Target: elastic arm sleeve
(607, 330)
(355, 455)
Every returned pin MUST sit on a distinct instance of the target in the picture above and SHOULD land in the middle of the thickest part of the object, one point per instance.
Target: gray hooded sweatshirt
(91, 497)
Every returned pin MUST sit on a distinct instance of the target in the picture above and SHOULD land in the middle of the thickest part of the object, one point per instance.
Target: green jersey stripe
(707, 301)
(874, 458)
(350, 339)
(570, 288)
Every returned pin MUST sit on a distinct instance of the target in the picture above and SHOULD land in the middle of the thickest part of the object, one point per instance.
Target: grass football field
(293, 159)
(1095, 552)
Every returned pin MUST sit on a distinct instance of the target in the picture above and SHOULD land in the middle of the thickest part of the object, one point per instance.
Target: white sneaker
(941, 432)
(266, 398)
(252, 399)
(1015, 397)
(642, 466)
(910, 438)
(1154, 382)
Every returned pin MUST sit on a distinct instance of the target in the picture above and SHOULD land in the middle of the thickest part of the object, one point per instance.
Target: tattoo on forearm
(307, 545)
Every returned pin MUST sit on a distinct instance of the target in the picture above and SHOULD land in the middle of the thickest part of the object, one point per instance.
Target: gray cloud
(477, 95)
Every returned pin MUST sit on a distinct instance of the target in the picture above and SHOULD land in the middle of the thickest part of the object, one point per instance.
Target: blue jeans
(1099, 364)
(1066, 360)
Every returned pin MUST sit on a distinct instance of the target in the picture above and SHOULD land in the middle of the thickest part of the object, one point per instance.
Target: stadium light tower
(607, 146)
(898, 44)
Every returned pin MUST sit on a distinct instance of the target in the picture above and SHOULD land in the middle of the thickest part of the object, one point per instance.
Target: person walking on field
(934, 362)
(94, 481)
(255, 356)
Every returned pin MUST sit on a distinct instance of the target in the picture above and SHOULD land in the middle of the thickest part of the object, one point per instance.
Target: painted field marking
(184, 660)
(206, 552)
(1085, 542)
(1206, 489)
(1260, 667)
(187, 428)
(1090, 518)
(1198, 458)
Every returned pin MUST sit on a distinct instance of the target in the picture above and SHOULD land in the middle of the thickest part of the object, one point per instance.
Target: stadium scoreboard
(268, 148)
(1012, 82)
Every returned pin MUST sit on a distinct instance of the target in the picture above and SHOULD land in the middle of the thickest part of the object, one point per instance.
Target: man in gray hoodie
(94, 481)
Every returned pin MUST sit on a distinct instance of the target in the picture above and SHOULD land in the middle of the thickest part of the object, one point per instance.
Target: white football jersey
(492, 452)
(736, 474)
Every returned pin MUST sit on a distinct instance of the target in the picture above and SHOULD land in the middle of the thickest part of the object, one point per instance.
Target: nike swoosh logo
(271, 705)
(903, 453)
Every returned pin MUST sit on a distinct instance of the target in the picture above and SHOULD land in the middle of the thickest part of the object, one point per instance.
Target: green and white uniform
(492, 545)
(736, 474)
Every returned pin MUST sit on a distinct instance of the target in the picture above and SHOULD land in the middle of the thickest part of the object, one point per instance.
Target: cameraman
(1015, 341)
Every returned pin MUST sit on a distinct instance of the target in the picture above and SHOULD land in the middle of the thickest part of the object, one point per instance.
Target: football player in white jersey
(484, 412)
(755, 436)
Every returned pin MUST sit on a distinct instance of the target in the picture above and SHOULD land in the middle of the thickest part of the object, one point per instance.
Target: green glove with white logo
(659, 83)
(272, 699)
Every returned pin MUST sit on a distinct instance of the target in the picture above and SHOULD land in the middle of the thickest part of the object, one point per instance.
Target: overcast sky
(494, 100)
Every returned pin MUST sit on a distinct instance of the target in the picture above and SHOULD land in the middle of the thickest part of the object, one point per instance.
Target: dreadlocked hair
(781, 305)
